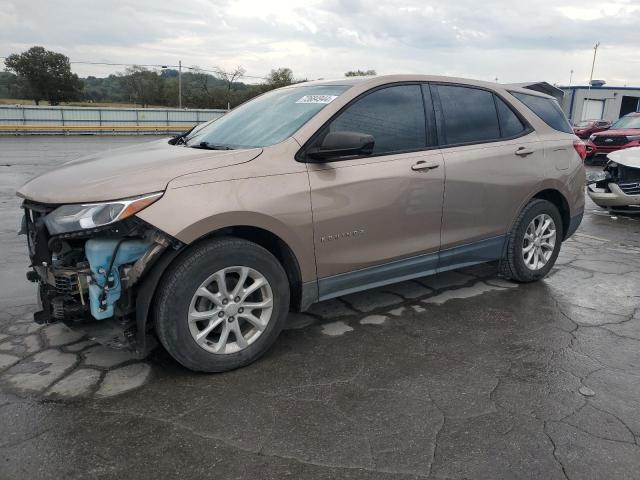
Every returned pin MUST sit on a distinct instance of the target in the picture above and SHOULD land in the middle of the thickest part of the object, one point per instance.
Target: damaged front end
(90, 262)
(616, 186)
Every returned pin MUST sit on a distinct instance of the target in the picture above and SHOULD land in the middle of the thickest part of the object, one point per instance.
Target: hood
(127, 172)
(629, 157)
(618, 133)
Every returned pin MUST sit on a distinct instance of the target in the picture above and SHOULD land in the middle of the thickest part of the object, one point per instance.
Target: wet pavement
(456, 376)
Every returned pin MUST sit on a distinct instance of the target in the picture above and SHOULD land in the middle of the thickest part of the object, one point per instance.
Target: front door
(377, 218)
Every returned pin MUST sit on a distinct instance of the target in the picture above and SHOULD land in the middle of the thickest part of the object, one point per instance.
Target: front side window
(469, 115)
(547, 109)
(267, 119)
(394, 116)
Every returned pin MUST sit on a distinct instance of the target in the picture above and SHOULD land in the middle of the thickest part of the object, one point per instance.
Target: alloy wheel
(539, 242)
(230, 310)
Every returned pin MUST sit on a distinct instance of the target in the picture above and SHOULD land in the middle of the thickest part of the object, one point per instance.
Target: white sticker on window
(317, 99)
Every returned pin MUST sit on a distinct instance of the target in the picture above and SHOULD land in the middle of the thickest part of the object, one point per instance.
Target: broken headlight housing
(74, 217)
(594, 177)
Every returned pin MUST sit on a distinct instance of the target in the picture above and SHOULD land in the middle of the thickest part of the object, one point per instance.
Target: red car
(624, 133)
(586, 128)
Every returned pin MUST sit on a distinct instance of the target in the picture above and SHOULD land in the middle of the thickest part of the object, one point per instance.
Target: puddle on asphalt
(335, 329)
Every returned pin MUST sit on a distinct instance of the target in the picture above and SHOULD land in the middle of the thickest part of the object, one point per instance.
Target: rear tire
(534, 242)
(203, 318)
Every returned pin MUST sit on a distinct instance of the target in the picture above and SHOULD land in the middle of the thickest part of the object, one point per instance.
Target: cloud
(513, 41)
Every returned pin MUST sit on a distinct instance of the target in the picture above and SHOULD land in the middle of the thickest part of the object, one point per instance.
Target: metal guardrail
(91, 129)
(99, 120)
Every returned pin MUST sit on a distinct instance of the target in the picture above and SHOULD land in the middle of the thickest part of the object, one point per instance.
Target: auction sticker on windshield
(317, 99)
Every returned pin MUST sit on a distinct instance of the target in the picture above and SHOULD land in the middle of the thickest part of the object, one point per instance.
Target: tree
(280, 78)
(229, 78)
(47, 75)
(12, 86)
(143, 86)
(360, 73)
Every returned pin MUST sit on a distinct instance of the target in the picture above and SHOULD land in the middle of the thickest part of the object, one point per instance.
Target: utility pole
(570, 77)
(593, 64)
(179, 83)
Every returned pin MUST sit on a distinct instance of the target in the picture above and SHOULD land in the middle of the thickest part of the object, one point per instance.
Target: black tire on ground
(179, 284)
(513, 265)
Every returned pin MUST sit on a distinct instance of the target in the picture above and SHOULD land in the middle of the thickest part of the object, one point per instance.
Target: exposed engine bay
(88, 278)
(618, 184)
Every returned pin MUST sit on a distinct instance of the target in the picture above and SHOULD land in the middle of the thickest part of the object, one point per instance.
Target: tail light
(580, 148)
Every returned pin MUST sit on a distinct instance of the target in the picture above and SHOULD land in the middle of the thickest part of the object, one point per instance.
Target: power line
(157, 65)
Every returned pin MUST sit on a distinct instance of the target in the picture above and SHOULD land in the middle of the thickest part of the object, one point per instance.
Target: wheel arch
(272, 243)
(558, 199)
(552, 194)
(301, 295)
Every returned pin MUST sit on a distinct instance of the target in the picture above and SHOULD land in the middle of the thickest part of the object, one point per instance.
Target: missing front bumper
(71, 277)
(614, 197)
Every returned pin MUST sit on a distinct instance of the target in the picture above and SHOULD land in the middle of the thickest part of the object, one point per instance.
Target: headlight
(633, 138)
(592, 138)
(71, 218)
(594, 177)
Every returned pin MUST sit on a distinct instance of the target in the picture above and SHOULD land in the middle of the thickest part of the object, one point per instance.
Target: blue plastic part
(99, 252)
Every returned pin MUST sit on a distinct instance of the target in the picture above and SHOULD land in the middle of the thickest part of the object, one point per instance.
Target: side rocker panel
(414, 267)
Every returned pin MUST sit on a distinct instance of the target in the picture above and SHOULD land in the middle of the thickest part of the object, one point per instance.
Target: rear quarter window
(510, 124)
(547, 109)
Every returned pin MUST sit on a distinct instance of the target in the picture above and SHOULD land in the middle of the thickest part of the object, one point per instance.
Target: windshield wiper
(211, 146)
(181, 138)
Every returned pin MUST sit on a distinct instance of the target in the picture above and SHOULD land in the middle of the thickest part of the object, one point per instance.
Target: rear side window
(393, 115)
(510, 124)
(469, 114)
(547, 109)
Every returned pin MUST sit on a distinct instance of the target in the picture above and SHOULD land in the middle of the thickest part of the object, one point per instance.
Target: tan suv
(303, 194)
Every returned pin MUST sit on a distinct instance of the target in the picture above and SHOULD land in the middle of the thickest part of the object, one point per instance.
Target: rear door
(377, 209)
(493, 161)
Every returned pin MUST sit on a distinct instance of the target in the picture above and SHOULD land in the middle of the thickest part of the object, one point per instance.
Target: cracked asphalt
(458, 376)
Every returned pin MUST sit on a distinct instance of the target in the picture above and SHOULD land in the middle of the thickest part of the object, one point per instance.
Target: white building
(599, 102)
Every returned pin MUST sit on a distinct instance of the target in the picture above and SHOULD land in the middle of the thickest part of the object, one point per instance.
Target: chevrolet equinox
(207, 240)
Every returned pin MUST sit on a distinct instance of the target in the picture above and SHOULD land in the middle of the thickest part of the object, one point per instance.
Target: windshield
(627, 122)
(267, 119)
(584, 123)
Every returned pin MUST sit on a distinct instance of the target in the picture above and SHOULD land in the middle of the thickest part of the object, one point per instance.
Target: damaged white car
(617, 186)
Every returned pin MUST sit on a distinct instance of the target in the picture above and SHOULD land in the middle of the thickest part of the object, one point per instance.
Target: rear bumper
(574, 223)
(614, 198)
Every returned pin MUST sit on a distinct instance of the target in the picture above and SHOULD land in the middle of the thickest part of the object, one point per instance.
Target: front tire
(221, 305)
(534, 242)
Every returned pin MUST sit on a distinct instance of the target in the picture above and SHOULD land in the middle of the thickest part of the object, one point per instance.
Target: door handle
(523, 151)
(422, 165)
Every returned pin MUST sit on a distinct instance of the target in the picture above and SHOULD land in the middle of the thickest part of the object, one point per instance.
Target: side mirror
(342, 144)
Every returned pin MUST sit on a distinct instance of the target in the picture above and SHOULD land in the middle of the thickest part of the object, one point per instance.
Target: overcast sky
(512, 40)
